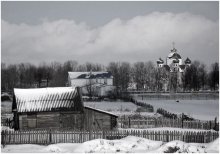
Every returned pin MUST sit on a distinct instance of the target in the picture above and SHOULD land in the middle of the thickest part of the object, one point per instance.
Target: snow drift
(128, 144)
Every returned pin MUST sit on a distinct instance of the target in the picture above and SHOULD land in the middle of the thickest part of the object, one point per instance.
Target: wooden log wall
(50, 120)
(94, 120)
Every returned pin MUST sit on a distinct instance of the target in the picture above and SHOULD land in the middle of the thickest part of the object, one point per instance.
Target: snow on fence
(151, 122)
(46, 137)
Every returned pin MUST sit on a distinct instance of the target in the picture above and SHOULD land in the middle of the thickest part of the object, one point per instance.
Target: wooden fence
(152, 122)
(46, 137)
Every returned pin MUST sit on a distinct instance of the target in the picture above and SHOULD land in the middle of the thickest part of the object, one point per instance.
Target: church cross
(173, 45)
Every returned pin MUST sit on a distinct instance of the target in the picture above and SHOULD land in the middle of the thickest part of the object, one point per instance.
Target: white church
(175, 66)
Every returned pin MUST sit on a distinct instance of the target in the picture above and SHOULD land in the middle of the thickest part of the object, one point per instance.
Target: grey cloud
(141, 38)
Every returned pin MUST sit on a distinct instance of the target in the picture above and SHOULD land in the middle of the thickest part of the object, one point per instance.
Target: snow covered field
(128, 144)
(118, 108)
(112, 106)
(199, 109)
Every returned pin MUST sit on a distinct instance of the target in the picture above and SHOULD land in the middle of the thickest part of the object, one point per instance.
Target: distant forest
(146, 75)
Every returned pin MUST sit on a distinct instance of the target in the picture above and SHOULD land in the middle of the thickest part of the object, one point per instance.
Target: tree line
(140, 75)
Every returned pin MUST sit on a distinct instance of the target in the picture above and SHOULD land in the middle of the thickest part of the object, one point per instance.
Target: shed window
(32, 121)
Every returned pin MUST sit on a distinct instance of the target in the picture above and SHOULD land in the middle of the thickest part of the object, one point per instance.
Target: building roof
(46, 99)
(160, 61)
(174, 55)
(187, 61)
(101, 111)
(89, 75)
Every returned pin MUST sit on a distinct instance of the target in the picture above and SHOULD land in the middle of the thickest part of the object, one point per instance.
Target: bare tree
(144, 75)
(124, 75)
(113, 67)
(214, 76)
(202, 73)
(161, 79)
(139, 72)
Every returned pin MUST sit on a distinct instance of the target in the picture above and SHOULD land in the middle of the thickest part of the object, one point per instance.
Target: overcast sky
(101, 32)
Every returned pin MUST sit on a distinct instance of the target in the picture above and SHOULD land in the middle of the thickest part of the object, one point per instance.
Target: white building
(174, 66)
(92, 83)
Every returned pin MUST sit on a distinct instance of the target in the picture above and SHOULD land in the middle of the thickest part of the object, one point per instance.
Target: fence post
(103, 134)
(3, 133)
(129, 122)
(90, 134)
(167, 136)
(207, 137)
(182, 120)
(50, 137)
(121, 122)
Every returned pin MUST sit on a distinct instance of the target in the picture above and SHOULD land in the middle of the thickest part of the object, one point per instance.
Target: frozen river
(199, 109)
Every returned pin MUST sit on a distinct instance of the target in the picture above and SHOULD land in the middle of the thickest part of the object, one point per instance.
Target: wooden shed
(96, 119)
(57, 108)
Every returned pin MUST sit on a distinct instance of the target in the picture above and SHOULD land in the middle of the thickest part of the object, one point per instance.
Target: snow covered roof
(187, 61)
(174, 54)
(5, 97)
(45, 99)
(102, 111)
(160, 61)
(89, 75)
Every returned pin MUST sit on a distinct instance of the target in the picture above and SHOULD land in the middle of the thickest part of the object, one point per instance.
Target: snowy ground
(113, 106)
(119, 108)
(199, 109)
(128, 144)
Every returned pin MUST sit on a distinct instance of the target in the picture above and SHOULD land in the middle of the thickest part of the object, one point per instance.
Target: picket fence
(165, 122)
(46, 137)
